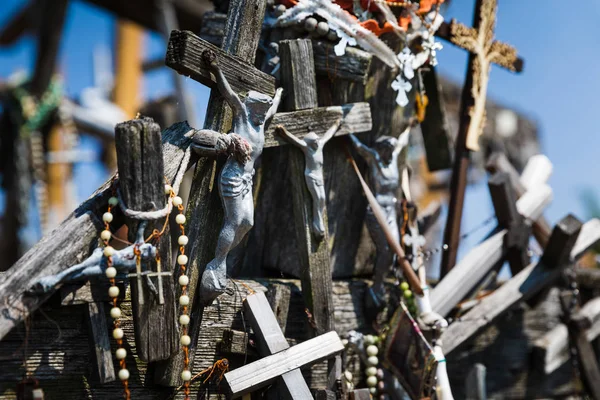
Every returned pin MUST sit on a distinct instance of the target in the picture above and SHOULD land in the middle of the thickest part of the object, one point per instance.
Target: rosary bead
(180, 219)
(310, 24)
(177, 201)
(186, 375)
(369, 339)
(123, 374)
(183, 240)
(373, 360)
(185, 340)
(105, 235)
(168, 189)
(407, 294)
(345, 342)
(381, 386)
(184, 300)
(107, 217)
(182, 259)
(115, 312)
(404, 286)
(379, 374)
(372, 390)
(372, 381)
(184, 280)
(109, 251)
(113, 291)
(348, 375)
(332, 36)
(111, 272)
(184, 319)
(372, 350)
(322, 28)
(371, 371)
(279, 10)
(118, 333)
(113, 201)
(121, 353)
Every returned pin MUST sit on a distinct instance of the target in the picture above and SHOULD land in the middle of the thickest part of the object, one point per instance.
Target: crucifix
(281, 362)
(484, 51)
(185, 55)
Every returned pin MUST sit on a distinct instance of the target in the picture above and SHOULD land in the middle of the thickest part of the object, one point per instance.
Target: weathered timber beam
(58, 251)
(22, 23)
(261, 373)
(356, 119)
(588, 277)
(184, 55)
(143, 12)
(552, 350)
(481, 259)
(525, 284)
(537, 170)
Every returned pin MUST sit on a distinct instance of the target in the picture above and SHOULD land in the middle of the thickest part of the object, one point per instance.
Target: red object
(426, 5)
(345, 4)
(370, 4)
(288, 3)
(373, 26)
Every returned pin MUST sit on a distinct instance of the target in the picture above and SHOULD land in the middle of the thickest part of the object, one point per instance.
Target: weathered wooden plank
(356, 118)
(204, 210)
(516, 240)
(360, 394)
(141, 184)
(352, 66)
(261, 373)
(271, 341)
(57, 250)
(475, 383)
(104, 368)
(298, 74)
(184, 54)
(481, 259)
(279, 298)
(522, 286)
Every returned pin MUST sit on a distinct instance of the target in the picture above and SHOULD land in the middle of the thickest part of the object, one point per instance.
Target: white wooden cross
(281, 362)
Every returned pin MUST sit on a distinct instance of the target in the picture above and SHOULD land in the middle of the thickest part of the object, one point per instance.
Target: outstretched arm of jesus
(275, 106)
(230, 96)
(331, 131)
(402, 140)
(366, 152)
(284, 133)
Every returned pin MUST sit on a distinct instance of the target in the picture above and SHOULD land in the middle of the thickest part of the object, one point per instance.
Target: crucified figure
(95, 265)
(235, 181)
(384, 177)
(312, 147)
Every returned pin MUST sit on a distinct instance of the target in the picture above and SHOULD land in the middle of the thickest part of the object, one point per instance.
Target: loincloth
(316, 178)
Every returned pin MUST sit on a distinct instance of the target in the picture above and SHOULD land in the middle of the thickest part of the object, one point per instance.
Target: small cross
(148, 274)
(414, 240)
(281, 362)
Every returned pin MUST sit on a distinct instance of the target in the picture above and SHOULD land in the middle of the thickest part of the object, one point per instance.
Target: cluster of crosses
(222, 210)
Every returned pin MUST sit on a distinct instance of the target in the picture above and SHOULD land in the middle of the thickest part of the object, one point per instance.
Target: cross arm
(509, 61)
(185, 55)
(356, 118)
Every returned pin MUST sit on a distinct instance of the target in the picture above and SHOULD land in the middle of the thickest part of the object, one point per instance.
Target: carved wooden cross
(280, 361)
(479, 40)
(158, 274)
(205, 211)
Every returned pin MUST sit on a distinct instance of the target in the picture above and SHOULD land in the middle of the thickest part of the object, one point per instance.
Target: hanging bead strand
(113, 292)
(184, 300)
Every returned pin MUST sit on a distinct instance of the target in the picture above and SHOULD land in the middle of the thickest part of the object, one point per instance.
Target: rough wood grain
(271, 340)
(522, 286)
(57, 250)
(260, 373)
(481, 259)
(141, 184)
(204, 209)
(104, 368)
(475, 383)
(184, 55)
(352, 66)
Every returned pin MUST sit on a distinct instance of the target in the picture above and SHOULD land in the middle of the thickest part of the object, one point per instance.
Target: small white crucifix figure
(280, 360)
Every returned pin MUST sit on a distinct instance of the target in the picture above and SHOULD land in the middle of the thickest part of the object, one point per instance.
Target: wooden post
(475, 383)
(571, 241)
(100, 342)
(479, 40)
(205, 214)
(129, 67)
(299, 83)
(516, 240)
(141, 184)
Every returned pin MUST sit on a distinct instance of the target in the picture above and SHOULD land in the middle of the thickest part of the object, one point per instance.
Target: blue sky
(558, 88)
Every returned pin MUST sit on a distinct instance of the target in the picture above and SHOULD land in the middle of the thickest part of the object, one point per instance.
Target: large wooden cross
(484, 51)
(235, 58)
(280, 360)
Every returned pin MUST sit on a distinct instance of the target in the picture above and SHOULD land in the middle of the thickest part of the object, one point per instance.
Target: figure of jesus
(235, 181)
(312, 147)
(382, 161)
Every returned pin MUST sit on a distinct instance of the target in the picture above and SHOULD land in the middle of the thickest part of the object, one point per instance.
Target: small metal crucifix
(159, 273)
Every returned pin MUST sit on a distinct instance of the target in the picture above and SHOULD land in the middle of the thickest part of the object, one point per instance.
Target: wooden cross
(205, 211)
(141, 184)
(160, 290)
(473, 268)
(280, 360)
(483, 52)
(569, 242)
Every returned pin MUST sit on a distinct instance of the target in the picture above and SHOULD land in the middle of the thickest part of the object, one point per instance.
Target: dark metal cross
(484, 52)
